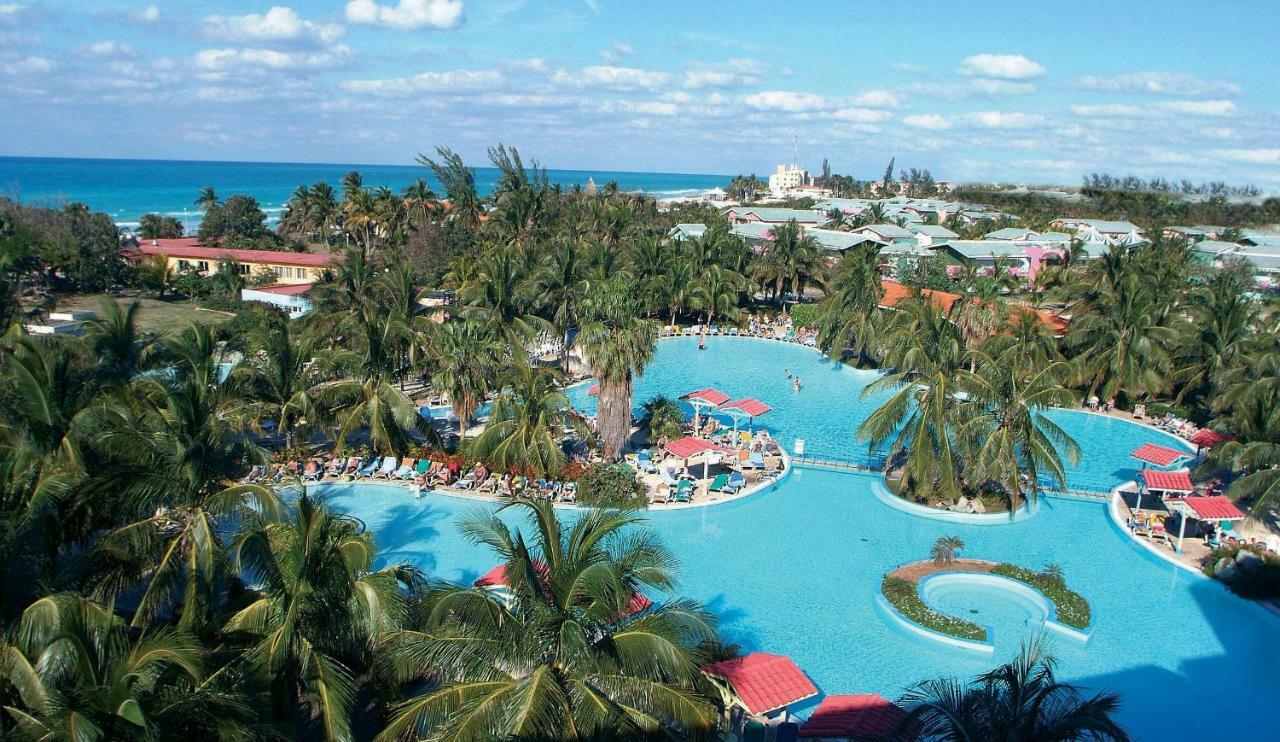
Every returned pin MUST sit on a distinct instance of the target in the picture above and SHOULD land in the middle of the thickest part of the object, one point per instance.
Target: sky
(996, 90)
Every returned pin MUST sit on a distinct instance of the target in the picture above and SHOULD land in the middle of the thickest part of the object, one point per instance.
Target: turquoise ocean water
(127, 189)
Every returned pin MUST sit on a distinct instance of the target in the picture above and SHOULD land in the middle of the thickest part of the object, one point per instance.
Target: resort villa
(765, 215)
(1261, 254)
(1101, 230)
(187, 253)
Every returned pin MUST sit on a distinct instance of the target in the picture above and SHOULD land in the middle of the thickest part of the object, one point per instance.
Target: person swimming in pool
(788, 373)
(797, 385)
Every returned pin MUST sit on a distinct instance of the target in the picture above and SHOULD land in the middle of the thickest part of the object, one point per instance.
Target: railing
(871, 464)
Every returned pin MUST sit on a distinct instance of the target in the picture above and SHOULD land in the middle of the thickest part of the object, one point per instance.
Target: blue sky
(994, 90)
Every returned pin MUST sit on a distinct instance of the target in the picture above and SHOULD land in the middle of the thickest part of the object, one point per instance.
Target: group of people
(759, 328)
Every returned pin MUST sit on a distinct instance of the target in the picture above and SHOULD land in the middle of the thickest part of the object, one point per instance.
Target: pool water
(830, 405)
(795, 570)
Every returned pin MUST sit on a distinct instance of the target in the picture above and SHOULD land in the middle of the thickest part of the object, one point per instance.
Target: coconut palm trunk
(614, 418)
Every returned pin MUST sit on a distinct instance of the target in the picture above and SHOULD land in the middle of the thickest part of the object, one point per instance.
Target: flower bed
(903, 595)
(1072, 609)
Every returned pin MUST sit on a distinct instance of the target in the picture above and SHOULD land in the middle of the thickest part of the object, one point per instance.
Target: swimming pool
(795, 570)
(830, 406)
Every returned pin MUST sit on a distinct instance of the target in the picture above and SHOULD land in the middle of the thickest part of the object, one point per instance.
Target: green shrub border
(1072, 609)
(905, 596)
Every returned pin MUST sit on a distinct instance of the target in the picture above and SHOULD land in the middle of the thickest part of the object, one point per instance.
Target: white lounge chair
(387, 469)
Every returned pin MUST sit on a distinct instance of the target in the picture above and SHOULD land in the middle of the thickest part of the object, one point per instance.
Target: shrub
(1255, 580)
(572, 471)
(610, 486)
(1073, 609)
(805, 316)
(904, 596)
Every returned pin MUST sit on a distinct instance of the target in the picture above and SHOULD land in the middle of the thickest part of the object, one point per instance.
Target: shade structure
(1159, 455)
(689, 446)
(1215, 507)
(594, 390)
(709, 397)
(497, 577)
(1206, 438)
(747, 407)
(1168, 481)
(764, 682)
(868, 714)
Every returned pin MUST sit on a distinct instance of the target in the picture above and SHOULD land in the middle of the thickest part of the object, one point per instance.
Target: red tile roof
(1158, 455)
(764, 682)
(189, 247)
(497, 577)
(1215, 507)
(747, 406)
(896, 293)
(1168, 481)
(594, 390)
(1206, 438)
(849, 716)
(707, 396)
(688, 446)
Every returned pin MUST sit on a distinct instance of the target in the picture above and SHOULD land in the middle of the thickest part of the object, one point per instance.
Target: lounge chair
(387, 468)
(736, 482)
(662, 494)
(644, 462)
(405, 471)
(719, 483)
(312, 471)
(369, 467)
(422, 467)
(335, 466)
(668, 476)
(756, 461)
(468, 480)
(569, 493)
(353, 466)
(684, 491)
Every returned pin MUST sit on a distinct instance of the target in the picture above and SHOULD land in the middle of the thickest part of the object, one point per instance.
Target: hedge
(1073, 609)
(905, 596)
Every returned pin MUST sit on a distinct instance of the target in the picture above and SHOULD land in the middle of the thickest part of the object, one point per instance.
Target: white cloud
(616, 51)
(1220, 132)
(407, 15)
(862, 115)
(1161, 83)
(1107, 110)
(1001, 66)
(908, 67)
(876, 99)
(29, 66)
(8, 10)
(1257, 156)
(786, 101)
(986, 86)
(149, 14)
(930, 121)
(609, 77)
(642, 107)
(731, 73)
(278, 24)
(112, 49)
(231, 59)
(449, 81)
(1200, 107)
(1005, 119)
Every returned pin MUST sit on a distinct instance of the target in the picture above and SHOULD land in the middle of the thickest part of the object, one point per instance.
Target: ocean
(127, 189)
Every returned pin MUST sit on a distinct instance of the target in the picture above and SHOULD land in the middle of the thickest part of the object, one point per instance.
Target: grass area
(154, 316)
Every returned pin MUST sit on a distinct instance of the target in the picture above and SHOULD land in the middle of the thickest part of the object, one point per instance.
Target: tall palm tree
(1006, 437)
(500, 300)
(617, 343)
(75, 671)
(288, 364)
(1022, 699)
(925, 351)
(420, 201)
(319, 612)
(566, 656)
(113, 336)
(459, 184)
(1220, 326)
(323, 211)
(464, 363)
(169, 454)
(849, 319)
(562, 285)
(527, 423)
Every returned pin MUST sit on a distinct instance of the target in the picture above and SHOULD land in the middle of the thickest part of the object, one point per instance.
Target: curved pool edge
(1028, 594)
(884, 495)
(905, 626)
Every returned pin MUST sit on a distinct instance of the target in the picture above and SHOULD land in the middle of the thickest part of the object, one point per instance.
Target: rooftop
(189, 247)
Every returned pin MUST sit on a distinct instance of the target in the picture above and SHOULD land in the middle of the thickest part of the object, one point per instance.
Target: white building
(786, 179)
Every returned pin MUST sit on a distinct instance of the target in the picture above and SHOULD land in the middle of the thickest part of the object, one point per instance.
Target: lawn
(159, 317)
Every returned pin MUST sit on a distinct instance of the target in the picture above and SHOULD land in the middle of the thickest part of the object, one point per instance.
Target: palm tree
(169, 459)
(1004, 432)
(567, 656)
(795, 257)
(154, 273)
(1019, 700)
(207, 199)
(617, 343)
(925, 351)
(420, 201)
(459, 184)
(944, 549)
(319, 614)
(287, 366)
(562, 286)
(112, 334)
(464, 363)
(527, 424)
(77, 672)
(323, 211)
(1222, 318)
(662, 418)
(849, 319)
(500, 300)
